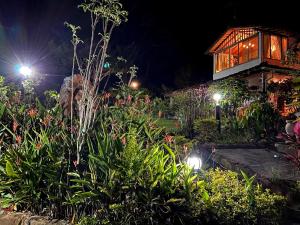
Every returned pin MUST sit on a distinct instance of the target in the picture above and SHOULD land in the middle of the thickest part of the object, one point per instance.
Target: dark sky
(166, 38)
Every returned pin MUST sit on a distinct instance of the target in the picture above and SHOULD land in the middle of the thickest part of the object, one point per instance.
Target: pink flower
(75, 163)
(297, 128)
(129, 98)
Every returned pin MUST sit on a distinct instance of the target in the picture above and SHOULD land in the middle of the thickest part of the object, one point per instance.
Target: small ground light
(194, 162)
(25, 71)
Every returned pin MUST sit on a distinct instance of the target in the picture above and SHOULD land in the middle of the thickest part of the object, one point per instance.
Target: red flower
(15, 126)
(123, 140)
(18, 139)
(168, 138)
(38, 146)
(46, 121)
(32, 113)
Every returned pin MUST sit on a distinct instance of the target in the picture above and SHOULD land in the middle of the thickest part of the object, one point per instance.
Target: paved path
(263, 162)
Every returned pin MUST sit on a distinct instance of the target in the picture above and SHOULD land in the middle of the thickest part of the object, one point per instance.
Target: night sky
(166, 39)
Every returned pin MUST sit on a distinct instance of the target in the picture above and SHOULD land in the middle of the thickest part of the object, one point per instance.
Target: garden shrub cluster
(245, 117)
(129, 171)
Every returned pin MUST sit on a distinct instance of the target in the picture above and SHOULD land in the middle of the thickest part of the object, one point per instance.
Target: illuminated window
(243, 52)
(240, 47)
(222, 60)
(234, 56)
(253, 48)
(275, 47)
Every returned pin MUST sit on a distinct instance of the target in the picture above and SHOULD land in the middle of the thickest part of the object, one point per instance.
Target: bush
(261, 120)
(231, 200)
(206, 130)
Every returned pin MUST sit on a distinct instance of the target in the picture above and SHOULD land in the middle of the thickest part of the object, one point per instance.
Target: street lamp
(25, 71)
(194, 162)
(217, 97)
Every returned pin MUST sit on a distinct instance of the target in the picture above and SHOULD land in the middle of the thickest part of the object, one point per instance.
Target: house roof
(223, 37)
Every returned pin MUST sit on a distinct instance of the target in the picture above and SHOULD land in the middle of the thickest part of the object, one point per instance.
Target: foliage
(234, 203)
(234, 93)
(189, 105)
(206, 130)
(128, 174)
(260, 119)
(159, 106)
(296, 94)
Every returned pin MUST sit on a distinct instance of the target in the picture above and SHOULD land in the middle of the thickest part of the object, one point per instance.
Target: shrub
(230, 202)
(206, 130)
(261, 119)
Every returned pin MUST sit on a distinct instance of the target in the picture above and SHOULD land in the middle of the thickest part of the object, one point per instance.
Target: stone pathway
(265, 163)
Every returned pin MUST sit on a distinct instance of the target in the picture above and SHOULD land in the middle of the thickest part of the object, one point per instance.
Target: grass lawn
(169, 124)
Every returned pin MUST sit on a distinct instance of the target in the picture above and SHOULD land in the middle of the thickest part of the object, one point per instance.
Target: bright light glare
(217, 97)
(194, 162)
(134, 85)
(25, 70)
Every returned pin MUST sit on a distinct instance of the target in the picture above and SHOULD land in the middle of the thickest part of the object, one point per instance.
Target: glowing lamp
(194, 162)
(217, 97)
(25, 71)
(134, 85)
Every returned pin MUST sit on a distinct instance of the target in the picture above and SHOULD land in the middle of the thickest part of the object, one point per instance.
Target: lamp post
(217, 98)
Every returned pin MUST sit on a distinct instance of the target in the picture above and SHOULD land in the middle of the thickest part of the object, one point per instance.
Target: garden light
(135, 85)
(217, 97)
(194, 162)
(25, 71)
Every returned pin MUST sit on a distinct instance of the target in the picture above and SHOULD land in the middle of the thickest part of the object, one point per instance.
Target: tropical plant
(105, 16)
(261, 119)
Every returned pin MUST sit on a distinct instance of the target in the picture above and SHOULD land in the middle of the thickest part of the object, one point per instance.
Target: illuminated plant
(105, 16)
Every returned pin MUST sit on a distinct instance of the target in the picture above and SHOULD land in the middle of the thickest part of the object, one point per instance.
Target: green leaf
(73, 174)
(10, 170)
(2, 109)
(175, 200)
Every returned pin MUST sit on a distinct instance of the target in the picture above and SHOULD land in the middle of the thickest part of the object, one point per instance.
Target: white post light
(194, 162)
(25, 71)
(217, 97)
